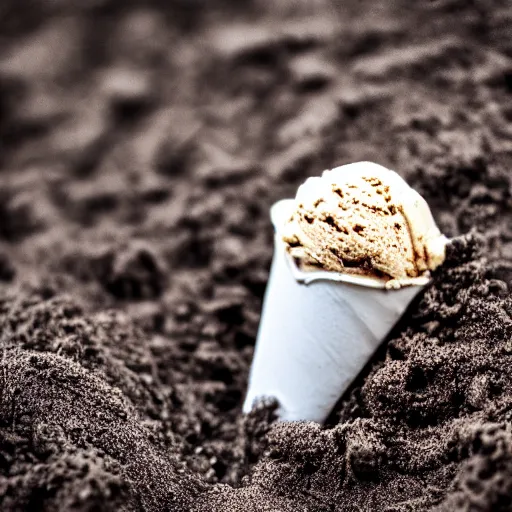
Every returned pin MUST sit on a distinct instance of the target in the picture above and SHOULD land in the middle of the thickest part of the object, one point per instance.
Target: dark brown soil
(141, 145)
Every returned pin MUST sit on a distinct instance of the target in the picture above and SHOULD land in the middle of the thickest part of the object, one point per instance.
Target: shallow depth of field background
(141, 146)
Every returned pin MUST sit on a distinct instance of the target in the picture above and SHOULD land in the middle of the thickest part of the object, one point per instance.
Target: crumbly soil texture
(141, 146)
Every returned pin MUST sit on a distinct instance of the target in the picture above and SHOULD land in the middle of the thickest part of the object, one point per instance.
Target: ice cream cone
(317, 331)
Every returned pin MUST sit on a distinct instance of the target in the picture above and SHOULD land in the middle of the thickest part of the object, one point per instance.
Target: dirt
(141, 146)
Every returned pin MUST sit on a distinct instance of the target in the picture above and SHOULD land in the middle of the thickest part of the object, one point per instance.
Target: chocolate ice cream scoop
(364, 219)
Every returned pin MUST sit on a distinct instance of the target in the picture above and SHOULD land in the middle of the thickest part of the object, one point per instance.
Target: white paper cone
(315, 338)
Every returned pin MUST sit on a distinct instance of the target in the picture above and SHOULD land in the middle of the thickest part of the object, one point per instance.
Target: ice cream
(364, 219)
(345, 249)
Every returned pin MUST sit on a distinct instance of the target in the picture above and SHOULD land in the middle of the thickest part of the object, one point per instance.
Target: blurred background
(142, 143)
